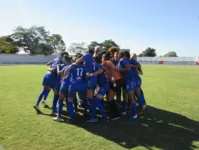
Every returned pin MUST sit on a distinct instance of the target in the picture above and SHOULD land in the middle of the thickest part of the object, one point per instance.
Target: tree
(149, 52)
(37, 40)
(93, 44)
(30, 39)
(108, 43)
(57, 43)
(77, 48)
(171, 54)
(7, 45)
(44, 49)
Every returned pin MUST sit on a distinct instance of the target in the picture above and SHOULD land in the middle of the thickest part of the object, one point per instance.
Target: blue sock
(40, 97)
(71, 110)
(143, 99)
(140, 101)
(75, 103)
(92, 107)
(124, 106)
(134, 111)
(46, 94)
(66, 104)
(85, 106)
(60, 107)
(55, 99)
(101, 107)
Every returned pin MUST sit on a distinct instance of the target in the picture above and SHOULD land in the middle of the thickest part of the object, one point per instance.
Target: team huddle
(92, 77)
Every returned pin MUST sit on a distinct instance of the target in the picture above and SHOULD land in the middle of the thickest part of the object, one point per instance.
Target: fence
(40, 59)
(169, 60)
(25, 59)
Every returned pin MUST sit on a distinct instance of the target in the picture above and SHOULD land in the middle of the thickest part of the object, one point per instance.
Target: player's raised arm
(80, 60)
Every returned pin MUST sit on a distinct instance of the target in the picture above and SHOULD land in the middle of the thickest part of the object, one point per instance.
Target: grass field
(171, 120)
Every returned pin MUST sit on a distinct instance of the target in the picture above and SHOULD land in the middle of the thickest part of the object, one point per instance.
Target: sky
(166, 25)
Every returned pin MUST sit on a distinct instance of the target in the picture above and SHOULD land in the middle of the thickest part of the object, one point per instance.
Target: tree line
(37, 40)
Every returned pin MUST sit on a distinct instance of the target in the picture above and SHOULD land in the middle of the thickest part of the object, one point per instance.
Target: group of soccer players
(92, 77)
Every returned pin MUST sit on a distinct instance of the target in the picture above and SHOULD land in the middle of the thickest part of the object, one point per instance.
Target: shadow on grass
(156, 128)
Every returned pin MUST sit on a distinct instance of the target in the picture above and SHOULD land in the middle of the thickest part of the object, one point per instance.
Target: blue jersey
(61, 67)
(135, 73)
(66, 82)
(101, 78)
(77, 72)
(89, 63)
(55, 62)
(134, 70)
(64, 69)
(127, 75)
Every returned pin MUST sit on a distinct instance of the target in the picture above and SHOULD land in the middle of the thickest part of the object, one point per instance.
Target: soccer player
(98, 50)
(53, 64)
(48, 83)
(124, 67)
(62, 94)
(112, 51)
(115, 60)
(103, 89)
(60, 70)
(89, 64)
(136, 70)
(66, 80)
(134, 56)
(77, 84)
(115, 84)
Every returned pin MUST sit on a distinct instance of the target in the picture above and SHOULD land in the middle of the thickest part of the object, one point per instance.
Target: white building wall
(25, 59)
(40, 59)
(169, 60)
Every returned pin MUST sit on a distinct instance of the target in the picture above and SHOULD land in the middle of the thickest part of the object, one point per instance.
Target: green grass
(171, 120)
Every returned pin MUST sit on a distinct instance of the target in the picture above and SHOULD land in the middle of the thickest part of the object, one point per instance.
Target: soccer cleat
(92, 120)
(123, 113)
(69, 121)
(37, 109)
(53, 114)
(133, 117)
(115, 118)
(45, 104)
(57, 119)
